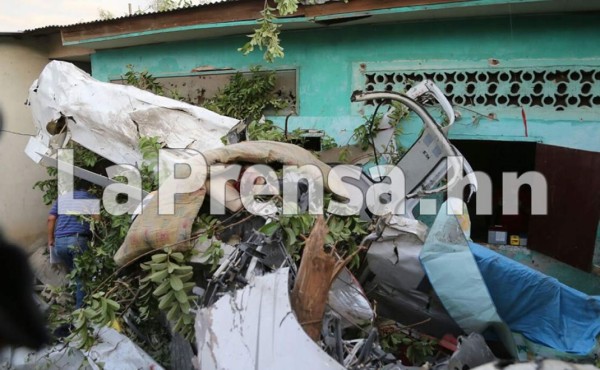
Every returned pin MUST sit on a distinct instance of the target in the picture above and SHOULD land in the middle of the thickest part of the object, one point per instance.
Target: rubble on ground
(272, 291)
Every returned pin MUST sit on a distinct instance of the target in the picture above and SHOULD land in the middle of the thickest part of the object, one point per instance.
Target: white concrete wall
(22, 211)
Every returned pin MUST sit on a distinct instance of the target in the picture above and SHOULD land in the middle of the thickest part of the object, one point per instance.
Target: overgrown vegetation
(246, 97)
(146, 81)
(149, 147)
(143, 80)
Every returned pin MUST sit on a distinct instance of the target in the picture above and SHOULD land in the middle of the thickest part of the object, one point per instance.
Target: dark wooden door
(568, 231)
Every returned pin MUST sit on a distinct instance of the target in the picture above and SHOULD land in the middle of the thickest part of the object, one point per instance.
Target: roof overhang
(48, 40)
(239, 17)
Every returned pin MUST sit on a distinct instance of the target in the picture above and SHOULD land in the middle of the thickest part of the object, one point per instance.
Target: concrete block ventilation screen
(569, 91)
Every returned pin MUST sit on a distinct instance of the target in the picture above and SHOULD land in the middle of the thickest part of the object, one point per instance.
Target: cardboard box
(523, 240)
(496, 236)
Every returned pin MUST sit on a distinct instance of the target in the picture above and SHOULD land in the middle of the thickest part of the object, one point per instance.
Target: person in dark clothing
(69, 234)
(21, 320)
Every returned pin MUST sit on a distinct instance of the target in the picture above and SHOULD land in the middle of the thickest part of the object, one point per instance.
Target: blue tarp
(531, 312)
(539, 307)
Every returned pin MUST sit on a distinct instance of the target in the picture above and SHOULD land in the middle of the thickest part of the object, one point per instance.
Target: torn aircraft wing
(255, 328)
(109, 119)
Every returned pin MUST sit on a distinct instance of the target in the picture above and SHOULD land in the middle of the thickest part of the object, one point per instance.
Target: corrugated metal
(203, 3)
(208, 3)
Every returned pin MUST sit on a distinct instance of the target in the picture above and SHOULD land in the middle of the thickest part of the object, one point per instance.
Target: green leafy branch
(143, 80)
(417, 350)
(364, 133)
(247, 96)
(146, 81)
(82, 157)
(48, 187)
(213, 253)
(172, 279)
(344, 233)
(100, 312)
(266, 35)
(149, 147)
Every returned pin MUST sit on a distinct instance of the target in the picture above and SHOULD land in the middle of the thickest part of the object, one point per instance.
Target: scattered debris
(471, 352)
(274, 291)
(111, 351)
(537, 365)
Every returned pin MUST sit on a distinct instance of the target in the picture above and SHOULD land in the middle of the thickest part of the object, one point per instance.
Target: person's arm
(51, 225)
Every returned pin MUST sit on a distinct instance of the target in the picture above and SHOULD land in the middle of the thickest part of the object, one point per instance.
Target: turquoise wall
(327, 61)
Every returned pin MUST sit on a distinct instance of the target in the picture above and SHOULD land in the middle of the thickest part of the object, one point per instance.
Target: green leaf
(171, 267)
(291, 236)
(185, 306)
(329, 239)
(162, 288)
(177, 256)
(269, 229)
(182, 270)
(176, 283)
(158, 266)
(186, 277)
(286, 7)
(178, 325)
(166, 300)
(181, 296)
(113, 305)
(158, 276)
(158, 258)
(172, 312)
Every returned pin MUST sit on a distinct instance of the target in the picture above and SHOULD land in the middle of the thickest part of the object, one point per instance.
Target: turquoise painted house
(524, 75)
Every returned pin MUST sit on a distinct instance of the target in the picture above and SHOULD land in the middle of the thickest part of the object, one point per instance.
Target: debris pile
(273, 289)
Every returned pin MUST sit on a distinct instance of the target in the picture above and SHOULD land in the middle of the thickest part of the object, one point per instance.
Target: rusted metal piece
(311, 288)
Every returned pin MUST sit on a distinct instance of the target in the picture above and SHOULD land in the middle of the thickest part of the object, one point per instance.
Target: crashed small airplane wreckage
(266, 308)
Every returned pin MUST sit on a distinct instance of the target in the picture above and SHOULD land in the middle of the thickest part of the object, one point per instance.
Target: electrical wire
(16, 133)
(371, 132)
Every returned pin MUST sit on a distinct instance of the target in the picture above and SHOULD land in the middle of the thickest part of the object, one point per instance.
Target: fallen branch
(310, 292)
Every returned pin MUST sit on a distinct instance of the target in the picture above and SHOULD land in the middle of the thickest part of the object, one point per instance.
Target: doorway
(568, 232)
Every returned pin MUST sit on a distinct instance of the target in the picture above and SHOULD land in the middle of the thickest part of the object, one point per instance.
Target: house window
(200, 87)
